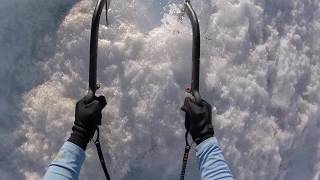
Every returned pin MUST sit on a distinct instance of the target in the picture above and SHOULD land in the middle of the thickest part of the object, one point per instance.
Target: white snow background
(260, 69)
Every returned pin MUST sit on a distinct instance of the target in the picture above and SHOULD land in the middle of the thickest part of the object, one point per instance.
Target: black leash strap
(100, 154)
(185, 157)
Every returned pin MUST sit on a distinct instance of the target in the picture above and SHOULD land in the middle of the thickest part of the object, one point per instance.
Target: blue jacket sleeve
(212, 164)
(67, 163)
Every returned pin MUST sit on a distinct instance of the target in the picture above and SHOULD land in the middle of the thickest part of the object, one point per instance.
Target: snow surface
(259, 68)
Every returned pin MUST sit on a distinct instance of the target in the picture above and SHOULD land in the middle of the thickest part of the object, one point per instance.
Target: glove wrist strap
(203, 138)
(79, 139)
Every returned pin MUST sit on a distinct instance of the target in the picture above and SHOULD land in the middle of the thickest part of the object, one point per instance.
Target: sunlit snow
(260, 70)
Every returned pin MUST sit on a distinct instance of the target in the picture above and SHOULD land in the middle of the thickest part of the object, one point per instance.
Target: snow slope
(259, 68)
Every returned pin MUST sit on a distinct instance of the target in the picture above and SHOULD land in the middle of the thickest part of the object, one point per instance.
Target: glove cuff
(203, 138)
(79, 138)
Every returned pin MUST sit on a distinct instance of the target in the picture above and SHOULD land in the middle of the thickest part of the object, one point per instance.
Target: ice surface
(259, 68)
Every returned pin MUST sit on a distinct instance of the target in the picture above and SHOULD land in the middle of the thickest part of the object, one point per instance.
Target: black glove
(198, 119)
(87, 118)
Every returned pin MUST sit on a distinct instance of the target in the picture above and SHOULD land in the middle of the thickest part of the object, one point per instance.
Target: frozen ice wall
(259, 68)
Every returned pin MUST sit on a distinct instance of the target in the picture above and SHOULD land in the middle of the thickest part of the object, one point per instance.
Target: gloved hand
(198, 119)
(87, 118)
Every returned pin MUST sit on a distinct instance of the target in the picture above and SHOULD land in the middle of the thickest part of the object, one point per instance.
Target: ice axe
(93, 86)
(194, 90)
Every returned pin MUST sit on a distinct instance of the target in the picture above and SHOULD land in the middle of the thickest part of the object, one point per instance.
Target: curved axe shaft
(94, 45)
(195, 51)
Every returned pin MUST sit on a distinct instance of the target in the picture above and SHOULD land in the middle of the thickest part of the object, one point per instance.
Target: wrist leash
(100, 154)
(185, 157)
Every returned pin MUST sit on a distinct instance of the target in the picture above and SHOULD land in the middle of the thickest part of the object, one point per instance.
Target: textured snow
(260, 70)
